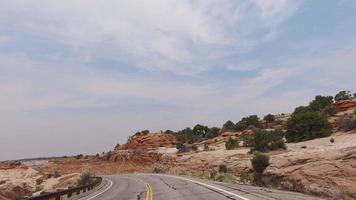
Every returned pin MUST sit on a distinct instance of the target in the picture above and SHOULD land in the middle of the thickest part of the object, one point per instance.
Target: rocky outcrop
(345, 105)
(150, 141)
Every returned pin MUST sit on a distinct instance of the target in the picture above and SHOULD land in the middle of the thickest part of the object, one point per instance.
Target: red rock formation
(149, 141)
(345, 105)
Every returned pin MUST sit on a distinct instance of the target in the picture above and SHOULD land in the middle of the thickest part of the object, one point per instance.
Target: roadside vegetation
(86, 178)
(306, 123)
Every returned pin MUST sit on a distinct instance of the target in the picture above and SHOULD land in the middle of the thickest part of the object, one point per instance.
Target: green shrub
(231, 144)
(145, 132)
(330, 110)
(247, 122)
(222, 168)
(306, 125)
(206, 147)
(38, 188)
(108, 155)
(269, 118)
(228, 126)
(343, 95)
(56, 174)
(260, 162)
(226, 178)
(213, 132)
(247, 140)
(85, 178)
(79, 156)
(179, 146)
(320, 103)
(245, 177)
(265, 141)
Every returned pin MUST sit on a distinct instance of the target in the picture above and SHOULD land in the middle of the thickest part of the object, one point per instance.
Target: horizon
(97, 72)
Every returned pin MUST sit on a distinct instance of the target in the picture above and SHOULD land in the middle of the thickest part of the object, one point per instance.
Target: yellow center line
(149, 194)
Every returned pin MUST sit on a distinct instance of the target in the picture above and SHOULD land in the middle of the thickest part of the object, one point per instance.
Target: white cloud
(159, 35)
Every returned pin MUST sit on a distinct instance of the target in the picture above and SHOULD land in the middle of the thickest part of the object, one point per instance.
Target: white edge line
(210, 186)
(102, 191)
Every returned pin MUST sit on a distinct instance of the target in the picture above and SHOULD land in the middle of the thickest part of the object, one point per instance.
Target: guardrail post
(58, 197)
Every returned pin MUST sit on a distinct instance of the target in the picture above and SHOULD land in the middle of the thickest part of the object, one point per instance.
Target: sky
(81, 76)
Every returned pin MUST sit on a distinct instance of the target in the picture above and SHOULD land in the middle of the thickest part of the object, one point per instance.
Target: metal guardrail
(68, 192)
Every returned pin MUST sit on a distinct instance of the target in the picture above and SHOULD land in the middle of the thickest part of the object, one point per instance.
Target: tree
(213, 132)
(343, 95)
(187, 136)
(200, 130)
(231, 144)
(269, 118)
(247, 122)
(145, 132)
(307, 125)
(330, 110)
(301, 109)
(228, 126)
(265, 141)
(260, 162)
(320, 103)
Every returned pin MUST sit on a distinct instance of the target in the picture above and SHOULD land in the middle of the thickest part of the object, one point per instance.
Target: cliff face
(150, 141)
(346, 105)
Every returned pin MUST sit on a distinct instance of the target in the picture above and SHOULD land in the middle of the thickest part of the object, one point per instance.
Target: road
(165, 187)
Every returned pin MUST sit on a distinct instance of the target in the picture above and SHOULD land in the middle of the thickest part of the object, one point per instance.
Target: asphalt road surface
(165, 187)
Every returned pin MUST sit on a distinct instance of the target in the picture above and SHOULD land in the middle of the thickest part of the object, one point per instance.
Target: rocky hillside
(150, 141)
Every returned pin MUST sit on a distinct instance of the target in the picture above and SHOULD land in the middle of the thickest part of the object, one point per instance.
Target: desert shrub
(260, 162)
(269, 118)
(206, 147)
(246, 122)
(226, 178)
(213, 132)
(265, 141)
(187, 136)
(158, 170)
(231, 143)
(117, 146)
(194, 147)
(200, 130)
(222, 168)
(343, 95)
(145, 132)
(228, 126)
(79, 156)
(212, 174)
(38, 188)
(56, 174)
(332, 140)
(179, 146)
(320, 103)
(355, 113)
(108, 155)
(245, 177)
(330, 110)
(247, 140)
(306, 125)
(85, 178)
(169, 132)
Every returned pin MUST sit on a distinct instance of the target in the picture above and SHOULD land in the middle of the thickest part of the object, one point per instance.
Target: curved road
(166, 187)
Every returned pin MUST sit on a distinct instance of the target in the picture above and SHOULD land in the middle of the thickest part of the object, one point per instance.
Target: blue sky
(96, 72)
